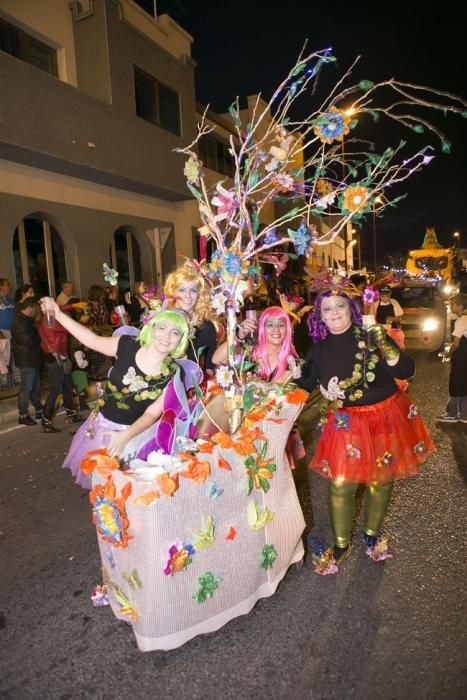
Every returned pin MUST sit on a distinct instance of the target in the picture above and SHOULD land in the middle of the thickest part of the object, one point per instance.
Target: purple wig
(316, 326)
(260, 353)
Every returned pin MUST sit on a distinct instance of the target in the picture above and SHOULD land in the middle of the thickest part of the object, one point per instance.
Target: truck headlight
(430, 324)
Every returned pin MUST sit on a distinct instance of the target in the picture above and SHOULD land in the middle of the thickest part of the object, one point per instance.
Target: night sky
(243, 47)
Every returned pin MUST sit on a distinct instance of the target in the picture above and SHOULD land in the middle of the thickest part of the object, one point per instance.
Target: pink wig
(260, 355)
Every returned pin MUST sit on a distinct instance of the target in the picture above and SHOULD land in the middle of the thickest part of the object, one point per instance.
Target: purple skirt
(89, 437)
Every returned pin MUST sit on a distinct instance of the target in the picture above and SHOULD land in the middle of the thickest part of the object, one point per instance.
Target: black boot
(48, 426)
(83, 404)
(26, 420)
(73, 416)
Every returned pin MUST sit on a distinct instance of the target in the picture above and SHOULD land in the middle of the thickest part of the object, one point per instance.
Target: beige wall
(49, 21)
(162, 30)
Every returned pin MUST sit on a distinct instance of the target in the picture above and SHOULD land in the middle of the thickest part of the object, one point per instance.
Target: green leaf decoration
(255, 222)
(207, 585)
(257, 519)
(123, 405)
(446, 147)
(253, 179)
(299, 68)
(374, 115)
(193, 191)
(268, 556)
(200, 351)
(204, 539)
(249, 485)
(365, 85)
(264, 483)
(234, 114)
(353, 123)
(418, 128)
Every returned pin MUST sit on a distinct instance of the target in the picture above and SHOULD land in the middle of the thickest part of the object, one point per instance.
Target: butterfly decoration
(133, 579)
(231, 534)
(110, 275)
(204, 539)
(258, 518)
(341, 421)
(213, 491)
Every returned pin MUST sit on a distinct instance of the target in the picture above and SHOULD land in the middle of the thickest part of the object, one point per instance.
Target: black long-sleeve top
(206, 338)
(335, 357)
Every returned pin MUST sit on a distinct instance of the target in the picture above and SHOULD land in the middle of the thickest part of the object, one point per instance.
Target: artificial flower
(370, 295)
(301, 238)
(324, 186)
(270, 236)
(100, 596)
(326, 469)
(207, 585)
(180, 557)
(110, 275)
(191, 170)
(225, 201)
(341, 421)
(231, 535)
(420, 448)
(224, 376)
(213, 491)
(326, 200)
(333, 127)
(218, 302)
(356, 199)
(268, 556)
(109, 514)
(413, 411)
(283, 182)
(353, 451)
(384, 460)
(198, 471)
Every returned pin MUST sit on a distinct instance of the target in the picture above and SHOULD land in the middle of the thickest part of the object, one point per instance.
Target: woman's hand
(245, 328)
(49, 304)
(117, 442)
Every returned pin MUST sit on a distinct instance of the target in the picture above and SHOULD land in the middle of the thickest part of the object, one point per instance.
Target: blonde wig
(202, 310)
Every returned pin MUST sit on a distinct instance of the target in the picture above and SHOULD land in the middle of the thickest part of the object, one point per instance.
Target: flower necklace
(363, 371)
(362, 376)
(138, 387)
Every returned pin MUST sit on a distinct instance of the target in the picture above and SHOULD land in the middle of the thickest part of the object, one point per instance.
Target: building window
(125, 257)
(156, 103)
(39, 256)
(215, 155)
(25, 47)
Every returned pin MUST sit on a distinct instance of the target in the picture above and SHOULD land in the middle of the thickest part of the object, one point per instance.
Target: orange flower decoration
(168, 484)
(147, 498)
(206, 448)
(197, 471)
(296, 396)
(109, 514)
(223, 440)
(356, 198)
(88, 463)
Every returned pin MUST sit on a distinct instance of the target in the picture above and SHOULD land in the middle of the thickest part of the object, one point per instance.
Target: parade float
(431, 261)
(193, 535)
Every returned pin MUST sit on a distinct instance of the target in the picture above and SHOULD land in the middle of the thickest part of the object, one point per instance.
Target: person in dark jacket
(54, 344)
(27, 356)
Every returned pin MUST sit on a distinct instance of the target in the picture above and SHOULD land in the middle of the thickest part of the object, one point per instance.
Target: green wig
(177, 319)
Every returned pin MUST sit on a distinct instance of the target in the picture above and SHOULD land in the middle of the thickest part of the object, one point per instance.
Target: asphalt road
(387, 631)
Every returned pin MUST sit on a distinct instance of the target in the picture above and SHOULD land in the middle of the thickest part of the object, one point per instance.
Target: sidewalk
(8, 411)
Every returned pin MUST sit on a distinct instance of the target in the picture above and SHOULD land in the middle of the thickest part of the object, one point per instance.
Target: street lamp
(359, 249)
(377, 200)
(457, 236)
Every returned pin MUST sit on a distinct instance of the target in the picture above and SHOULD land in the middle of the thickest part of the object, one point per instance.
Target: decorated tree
(341, 187)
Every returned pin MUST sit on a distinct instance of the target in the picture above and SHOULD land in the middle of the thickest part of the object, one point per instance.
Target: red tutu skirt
(373, 444)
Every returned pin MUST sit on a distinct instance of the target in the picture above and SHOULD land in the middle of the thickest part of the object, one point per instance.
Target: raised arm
(220, 356)
(106, 346)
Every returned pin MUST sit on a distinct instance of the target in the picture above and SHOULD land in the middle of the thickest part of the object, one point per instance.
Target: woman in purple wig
(371, 432)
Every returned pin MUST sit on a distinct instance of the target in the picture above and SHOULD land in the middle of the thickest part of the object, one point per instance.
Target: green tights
(341, 501)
